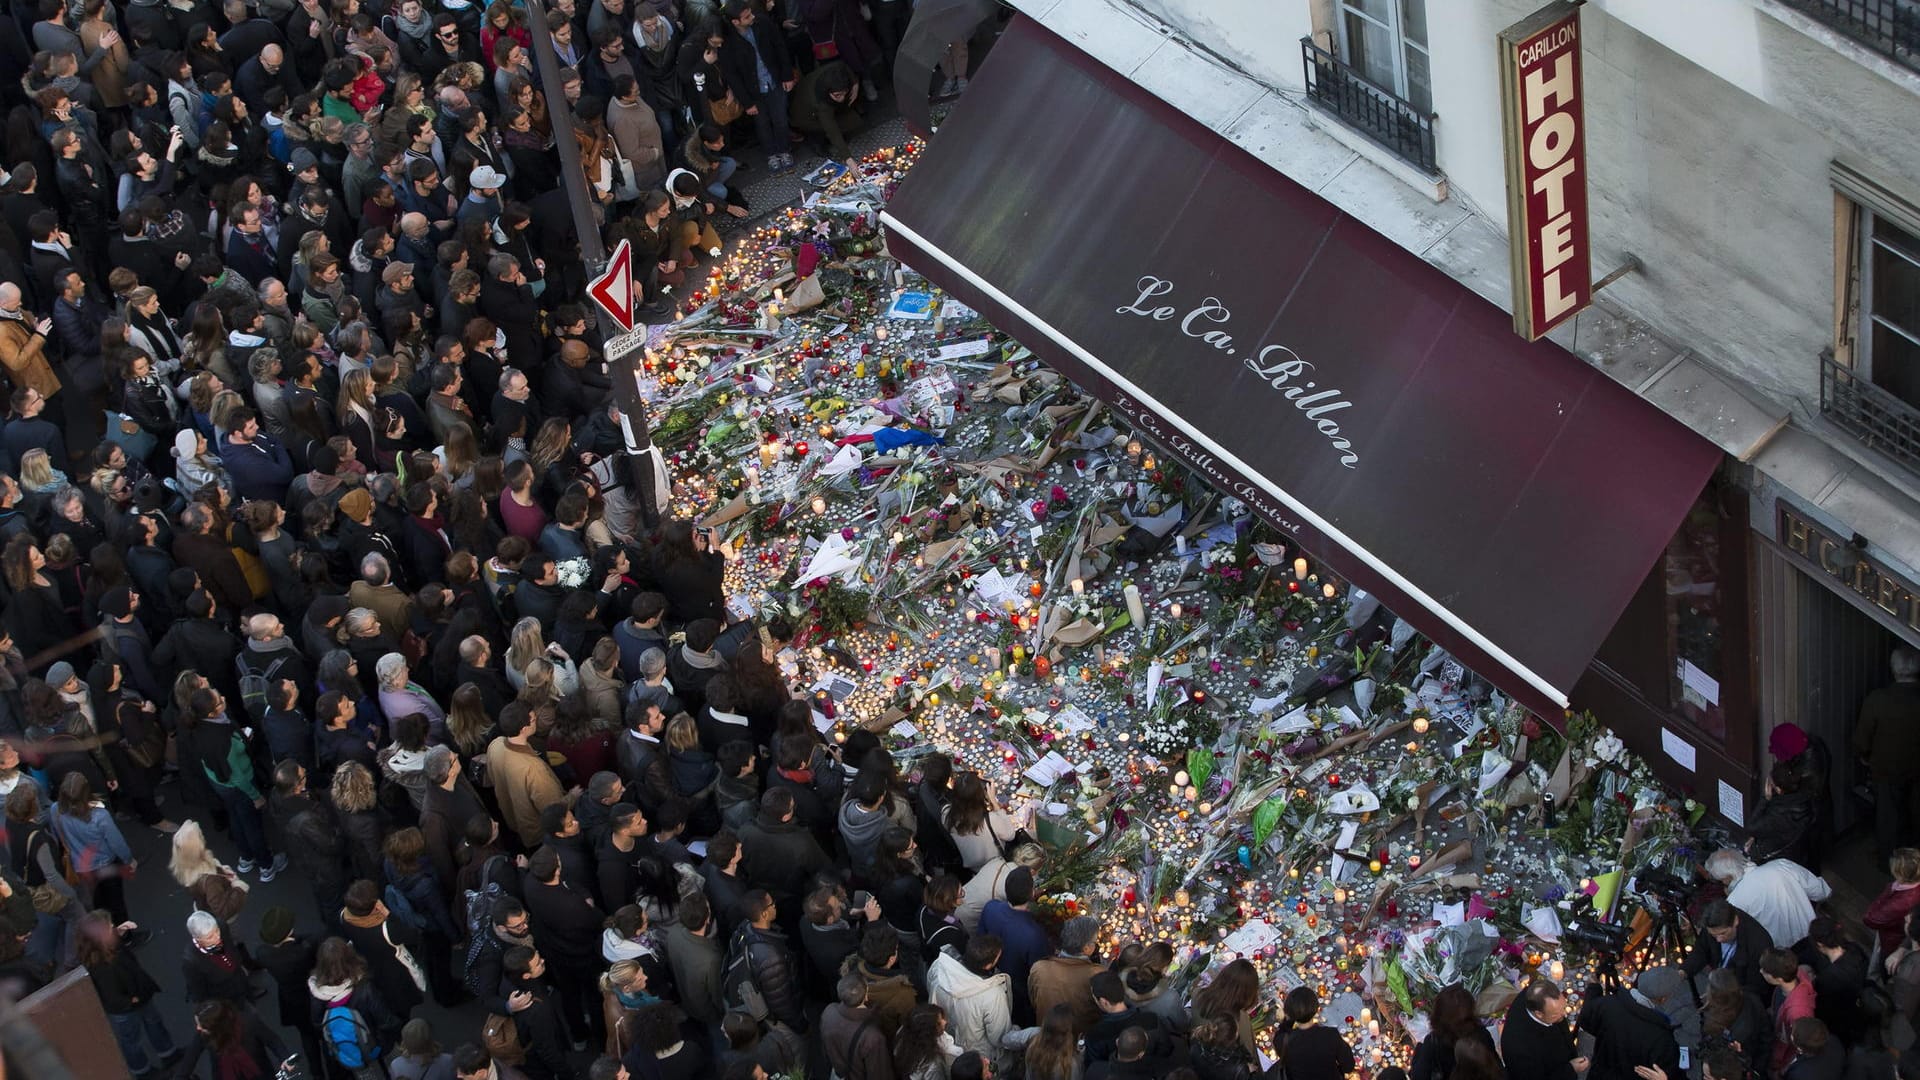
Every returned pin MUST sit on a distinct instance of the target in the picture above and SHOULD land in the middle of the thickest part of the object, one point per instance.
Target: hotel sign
(1542, 107)
(1878, 590)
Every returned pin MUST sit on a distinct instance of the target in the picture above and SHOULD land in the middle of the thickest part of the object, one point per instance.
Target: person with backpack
(353, 1019)
(228, 764)
(267, 656)
(387, 945)
(760, 978)
(503, 925)
(413, 897)
(850, 1034)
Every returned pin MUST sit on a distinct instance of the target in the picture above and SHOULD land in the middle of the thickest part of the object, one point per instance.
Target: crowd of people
(310, 541)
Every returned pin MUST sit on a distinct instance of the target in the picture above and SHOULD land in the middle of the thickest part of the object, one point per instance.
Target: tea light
(1078, 586)
(1181, 779)
(819, 505)
(1421, 725)
(1328, 590)
(1557, 971)
(1174, 611)
(879, 333)
(1147, 463)
(1133, 449)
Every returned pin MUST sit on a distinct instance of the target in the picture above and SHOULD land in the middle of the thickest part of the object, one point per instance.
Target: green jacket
(239, 763)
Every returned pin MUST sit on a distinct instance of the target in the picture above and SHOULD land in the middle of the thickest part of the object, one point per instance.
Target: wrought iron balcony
(1875, 416)
(1888, 27)
(1374, 111)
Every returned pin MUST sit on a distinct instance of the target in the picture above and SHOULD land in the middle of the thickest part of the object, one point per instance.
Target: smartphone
(861, 898)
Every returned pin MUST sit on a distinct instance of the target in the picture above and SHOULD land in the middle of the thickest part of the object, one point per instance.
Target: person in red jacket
(1887, 915)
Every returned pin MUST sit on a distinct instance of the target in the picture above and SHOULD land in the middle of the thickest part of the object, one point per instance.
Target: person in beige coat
(522, 780)
(23, 342)
(1062, 979)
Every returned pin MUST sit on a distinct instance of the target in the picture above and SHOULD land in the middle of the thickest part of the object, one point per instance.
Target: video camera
(1594, 935)
(1665, 886)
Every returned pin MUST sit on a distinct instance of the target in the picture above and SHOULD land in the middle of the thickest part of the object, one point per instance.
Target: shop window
(1696, 639)
(1386, 42)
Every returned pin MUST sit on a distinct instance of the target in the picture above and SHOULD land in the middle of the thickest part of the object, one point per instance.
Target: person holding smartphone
(690, 569)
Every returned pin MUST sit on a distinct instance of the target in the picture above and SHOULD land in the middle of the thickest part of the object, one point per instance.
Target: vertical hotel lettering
(1546, 168)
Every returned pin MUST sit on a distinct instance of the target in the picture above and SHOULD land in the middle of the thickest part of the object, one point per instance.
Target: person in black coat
(770, 959)
(211, 967)
(567, 925)
(562, 834)
(782, 855)
(289, 957)
(746, 34)
(1723, 925)
(1536, 1042)
(1630, 1028)
(1117, 1015)
(1452, 1019)
(389, 947)
(524, 971)
(508, 300)
(1817, 1055)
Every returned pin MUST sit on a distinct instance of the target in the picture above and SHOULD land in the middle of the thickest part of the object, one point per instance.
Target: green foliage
(1266, 817)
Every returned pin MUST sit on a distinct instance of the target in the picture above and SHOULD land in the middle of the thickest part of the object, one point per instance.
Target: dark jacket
(290, 962)
(781, 856)
(1627, 1034)
(737, 62)
(207, 979)
(1536, 1051)
(122, 983)
(1782, 829)
(567, 925)
(212, 558)
(854, 1044)
(1433, 1058)
(771, 961)
(1750, 940)
(378, 945)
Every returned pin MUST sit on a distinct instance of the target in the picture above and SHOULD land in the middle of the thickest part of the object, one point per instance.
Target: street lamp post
(641, 464)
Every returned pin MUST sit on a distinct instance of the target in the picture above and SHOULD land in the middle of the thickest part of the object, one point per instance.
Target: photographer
(1630, 1028)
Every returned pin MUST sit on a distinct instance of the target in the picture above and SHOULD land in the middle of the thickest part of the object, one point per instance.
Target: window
(1386, 42)
(1889, 340)
(1870, 381)
(1694, 603)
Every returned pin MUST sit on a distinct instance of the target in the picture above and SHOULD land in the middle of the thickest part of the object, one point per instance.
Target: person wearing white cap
(483, 194)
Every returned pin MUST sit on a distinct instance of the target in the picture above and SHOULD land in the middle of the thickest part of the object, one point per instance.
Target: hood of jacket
(328, 992)
(948, 972)
(862, 826)
(615, 946)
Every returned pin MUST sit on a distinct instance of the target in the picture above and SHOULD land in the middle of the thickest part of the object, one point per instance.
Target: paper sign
(954, 309)
(1733, 805)
(1677, 748)
(904, 730)
(1698, 682)
(1349, 832)
(1253, 935)
(964, 349)
(1073, 720)
(1049, 769)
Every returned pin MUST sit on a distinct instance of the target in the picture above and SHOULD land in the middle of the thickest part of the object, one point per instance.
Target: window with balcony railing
(1870, 385)
(1888, 27)
(1369, 107)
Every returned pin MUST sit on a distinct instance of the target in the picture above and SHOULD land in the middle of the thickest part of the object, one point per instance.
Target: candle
(1366, 1014)
(1300, 569)
(1078, 586)
(1328, 590)
(879, 333)
(1179, 544)
(1421, 724)
(1147, 463)
(1135, 609)
(1174, 611)
(1373, 1028)
(1181, 778)
(819, 505)
(1557, 971)
(1133, 449)
(1192, 793)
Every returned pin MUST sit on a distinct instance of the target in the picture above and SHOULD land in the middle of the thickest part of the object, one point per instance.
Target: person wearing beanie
(288, 957)
(1812, 764)
(323, 628)
(1630, 1027)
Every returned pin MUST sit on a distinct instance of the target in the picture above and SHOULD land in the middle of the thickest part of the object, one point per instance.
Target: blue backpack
(402, 908)
(348, 1037)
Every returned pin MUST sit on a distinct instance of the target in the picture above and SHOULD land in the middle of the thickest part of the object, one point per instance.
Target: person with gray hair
(400, 696)
(377, 592)
(1779, 895)
(264, 368)
(1887, 738)
(653, 687)
(1064, 978)
(215, 970)
(450, 803)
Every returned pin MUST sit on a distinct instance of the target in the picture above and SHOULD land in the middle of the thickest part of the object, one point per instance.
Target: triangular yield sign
(613, 289)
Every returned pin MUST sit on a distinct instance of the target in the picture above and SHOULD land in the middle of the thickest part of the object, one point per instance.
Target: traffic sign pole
(637, 431)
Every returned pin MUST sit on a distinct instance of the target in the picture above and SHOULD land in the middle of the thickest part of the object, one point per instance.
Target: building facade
(1753, 166)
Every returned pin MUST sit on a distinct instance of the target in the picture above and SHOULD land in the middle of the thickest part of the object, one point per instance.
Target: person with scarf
(250, 251)
(194, 467)
(414, 24)
(225, 759)
(23, 341)
(151, 331)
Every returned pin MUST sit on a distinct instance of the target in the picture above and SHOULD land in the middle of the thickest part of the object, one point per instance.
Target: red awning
(1502, 496)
